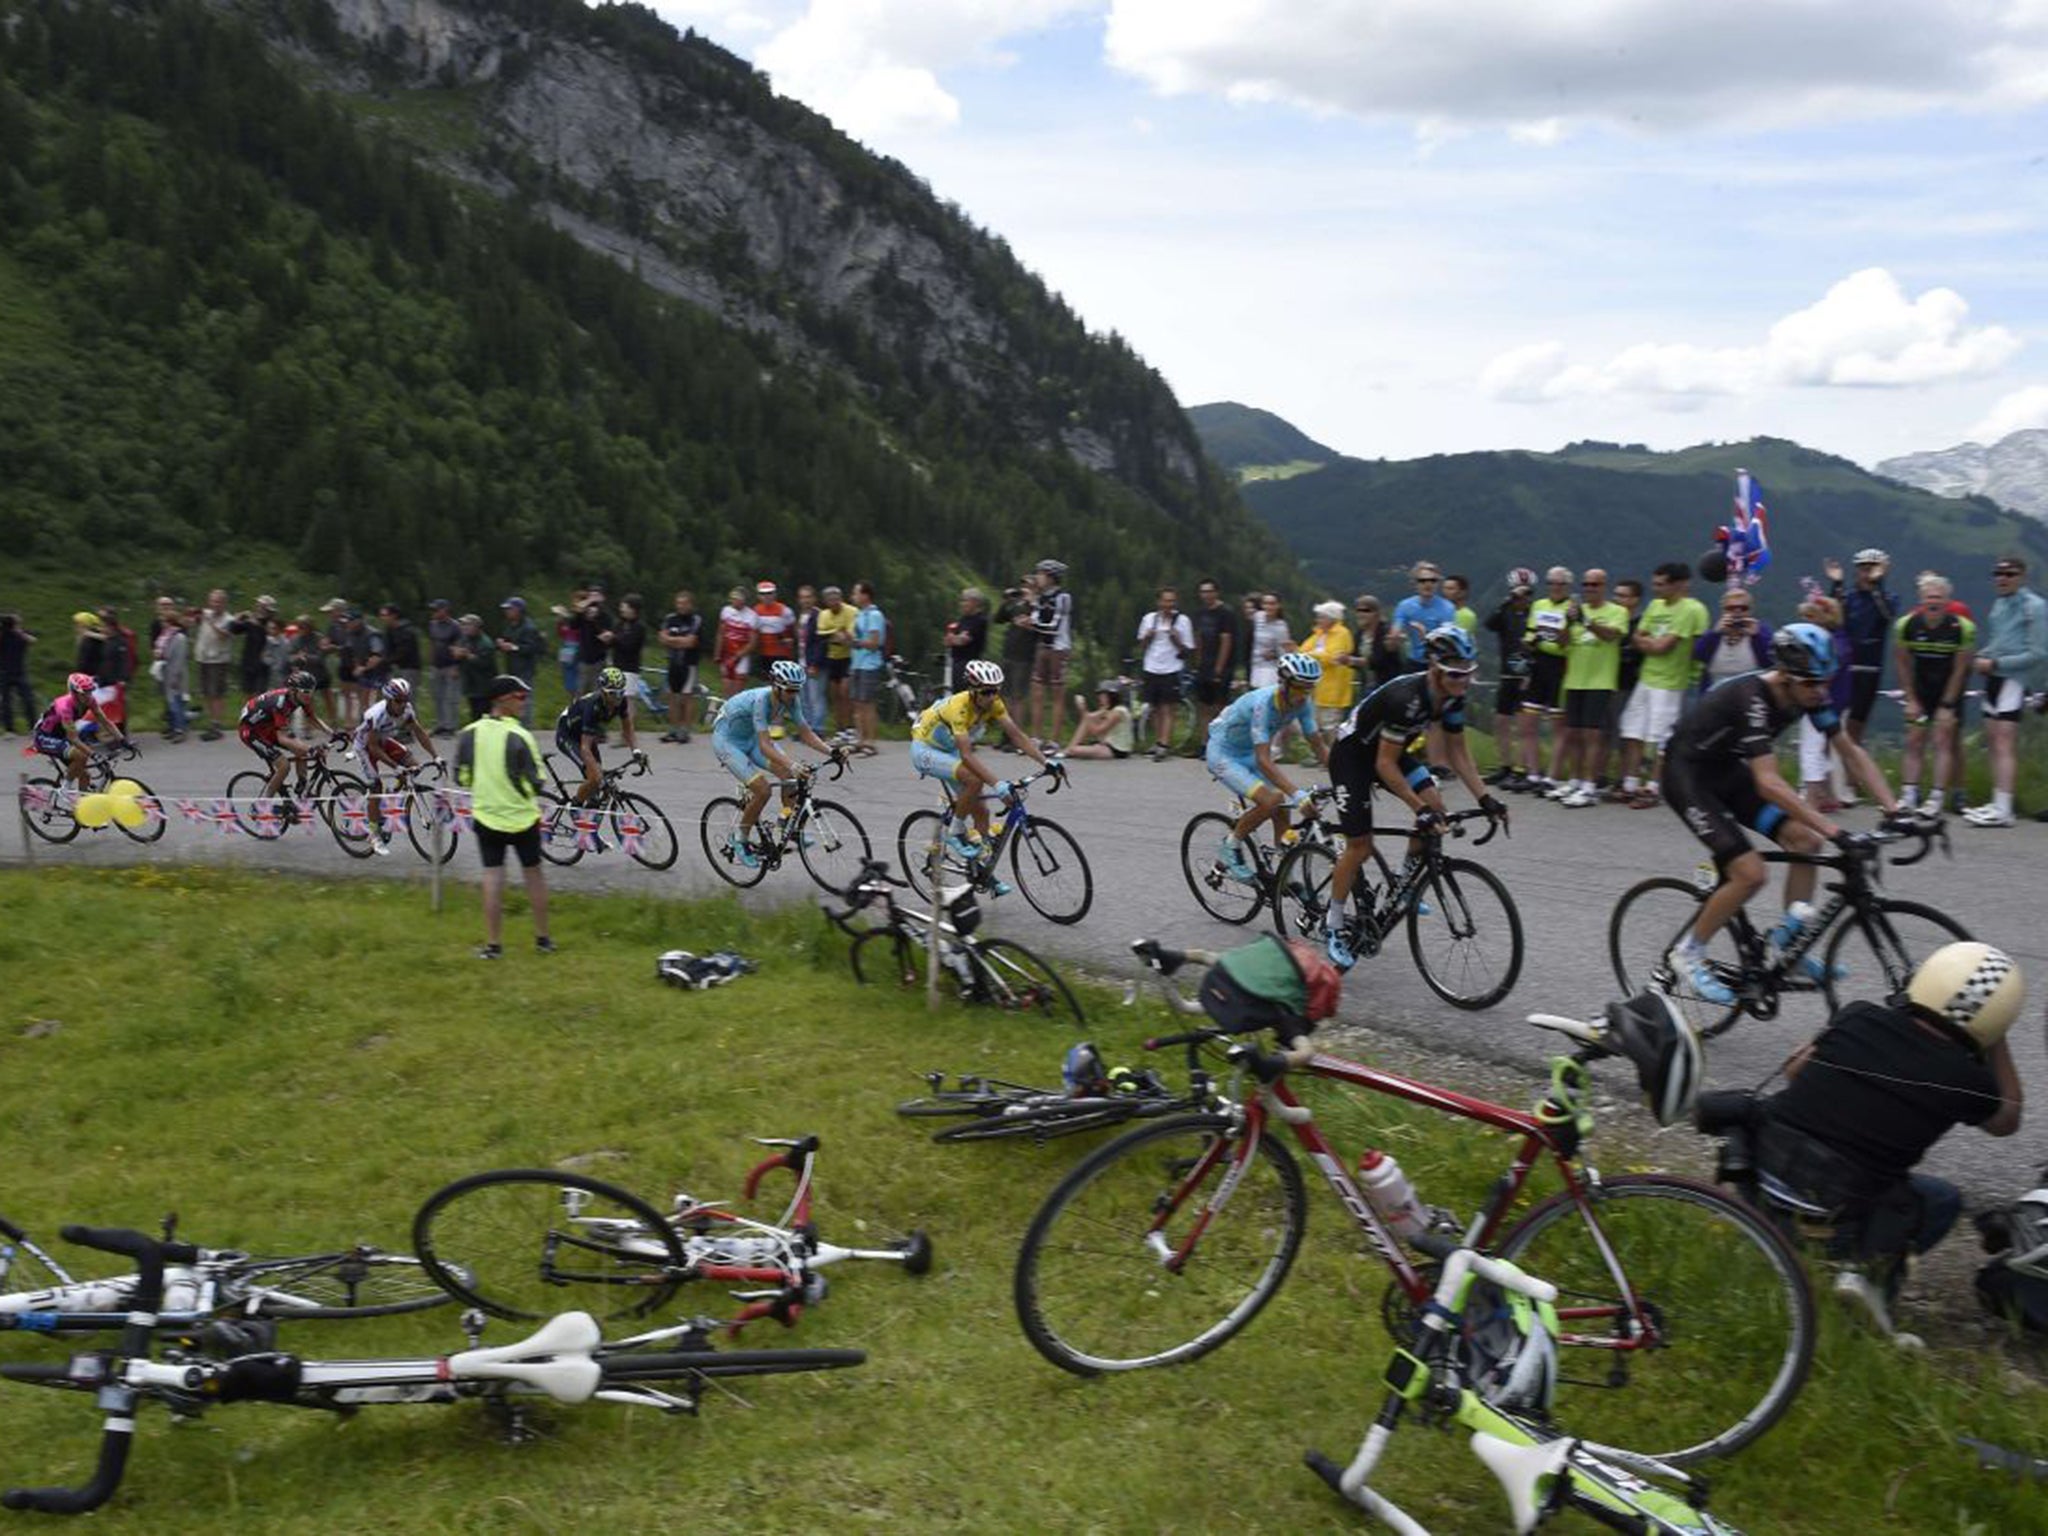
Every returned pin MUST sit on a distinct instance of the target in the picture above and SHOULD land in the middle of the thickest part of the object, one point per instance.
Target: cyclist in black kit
(1376, 747)
(1721, 777)
(580, 727)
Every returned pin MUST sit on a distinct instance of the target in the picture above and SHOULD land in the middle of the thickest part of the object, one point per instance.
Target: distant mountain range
(2013, 471)
(1359, 524)
(1242, 436)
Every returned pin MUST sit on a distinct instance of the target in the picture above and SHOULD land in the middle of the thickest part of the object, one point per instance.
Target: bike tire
(1468, 955)
(895, 961)
(357, 845)
(43, 1373)
(1070, 1117)
(687, 1365)
(1226, 900)
(1730, 1297)
(658, 846)
(494, 1240)
(716, 829)
(833, 845)
(1052, 871)
(419, 805)
(914, 839)
(558, 843)
(1086, 1249)
(359, 1282)
(1015, 980)
(1650, 918)
(974, 1101)
(52, 821)
(1879, 953)
(1300, 896)
(250, 785)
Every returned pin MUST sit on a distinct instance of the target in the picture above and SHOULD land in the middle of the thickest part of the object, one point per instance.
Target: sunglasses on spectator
(1425, 581)
(1591, 583)
(2005, 570)
(1365, 608)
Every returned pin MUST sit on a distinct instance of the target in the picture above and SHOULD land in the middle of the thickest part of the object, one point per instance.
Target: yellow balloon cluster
(118, 802)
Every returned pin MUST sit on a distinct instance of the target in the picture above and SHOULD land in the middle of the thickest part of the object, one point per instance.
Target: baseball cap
(1872, 556)
(333, 605)
(84, 616)
(764, 588)
(266, 601)
(505, 684)
(1053, 567)
(471, 618)
(440, 602)
(514, 602)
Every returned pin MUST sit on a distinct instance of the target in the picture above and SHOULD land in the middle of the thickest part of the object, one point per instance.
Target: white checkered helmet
(1975, 987)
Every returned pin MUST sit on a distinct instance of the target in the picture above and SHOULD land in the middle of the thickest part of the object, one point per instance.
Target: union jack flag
(266, 819)
(152, 809)
(391, 810)
(586, 824)
(1749, 533)
(34, 798)
(631, 830)
(222, 814)
(355, 816)
(192, 810)
(303, 812)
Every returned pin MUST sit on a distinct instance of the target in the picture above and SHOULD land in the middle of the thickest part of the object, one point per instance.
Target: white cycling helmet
(1300, 669)
(1650, 1031)
(984, 674)
(1975, 987)
(786, 674)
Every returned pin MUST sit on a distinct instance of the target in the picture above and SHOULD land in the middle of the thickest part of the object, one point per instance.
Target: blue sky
(1423, 226)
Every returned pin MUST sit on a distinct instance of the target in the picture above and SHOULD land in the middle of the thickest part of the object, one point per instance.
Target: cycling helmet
(611, 680)
(984, 674)
(398, 691)
(80, 682)
(1975, 987)
(1449, 647)
(1521, 576)
(1650, 1031)
(1082, 1071)
(1297, 668)
(1804, 651)
(784, 674)
(302, 682)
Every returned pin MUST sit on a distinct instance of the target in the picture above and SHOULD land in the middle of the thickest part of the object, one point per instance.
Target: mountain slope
(1241, 437)
(2012, 472)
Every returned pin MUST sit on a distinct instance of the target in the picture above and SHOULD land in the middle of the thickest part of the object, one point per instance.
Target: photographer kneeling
(1873, 1092)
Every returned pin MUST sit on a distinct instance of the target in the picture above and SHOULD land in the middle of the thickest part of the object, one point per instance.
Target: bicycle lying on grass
(634, 822)
(1048, 865)
(519, 1242)
(566, 1360)
(358, 1281)
(824, 834)
(1687, 1323)
(1489, 1323)
(49, 801)
(998, 973)
(1094, 1097)
(1873, 942)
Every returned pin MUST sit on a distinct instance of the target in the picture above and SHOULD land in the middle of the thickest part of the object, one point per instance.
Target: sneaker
(682, 738)
(1695, 972)
(1579, 799)
(544, 944)
(1498, 776)
(742, 852)
(1232, 862)
(1556, 790)
(1338, 948)
(1158, 753)
(1644, 800)
(998, 887)
(1989, 816)
(381, 846)
(489, 951)
(966, 851)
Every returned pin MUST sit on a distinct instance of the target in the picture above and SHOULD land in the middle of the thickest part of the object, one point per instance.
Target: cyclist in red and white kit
(264, 727)
(71, 727)
(377, 738)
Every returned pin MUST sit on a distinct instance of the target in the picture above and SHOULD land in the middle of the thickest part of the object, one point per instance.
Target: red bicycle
(1687, 1322)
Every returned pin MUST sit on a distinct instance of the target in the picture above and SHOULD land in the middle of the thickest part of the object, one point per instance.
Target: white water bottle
(1797, 916)
(1392, 1196)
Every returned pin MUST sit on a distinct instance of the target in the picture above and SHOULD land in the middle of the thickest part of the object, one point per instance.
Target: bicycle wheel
(1092, 1289)
(558, 844)
(356, 838)
(686, 1366)
(51, 817)
(359, 1282)
(1648, 921)
(421, 809)
(244, 790)
(884, 955)
(531, 1242)
(1065, 1117)
(1876, 955)
(718, 828)
(1012, 978)
(1728, 1300)
(1469, 947)
(658, 846)
(1301, 891)
(1226, 900)
(833, 845)
(914, 841)
(1051, 871)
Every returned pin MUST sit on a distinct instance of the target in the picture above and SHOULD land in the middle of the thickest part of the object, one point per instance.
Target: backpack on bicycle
(1284, 985)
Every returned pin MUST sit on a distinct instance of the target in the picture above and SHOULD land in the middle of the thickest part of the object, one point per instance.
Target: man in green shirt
(1594, 628)
(1670, 625)
(498, 763)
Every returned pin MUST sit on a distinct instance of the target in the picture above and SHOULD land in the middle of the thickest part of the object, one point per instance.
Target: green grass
(1250, 472)
(292, 1062)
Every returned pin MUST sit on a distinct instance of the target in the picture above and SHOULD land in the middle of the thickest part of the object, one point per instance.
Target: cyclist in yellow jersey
(942, 747)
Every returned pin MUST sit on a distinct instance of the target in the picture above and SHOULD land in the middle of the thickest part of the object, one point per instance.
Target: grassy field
(290, 1063)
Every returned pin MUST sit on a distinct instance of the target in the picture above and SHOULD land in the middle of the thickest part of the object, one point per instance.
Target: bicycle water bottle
(1797, 916)
(1392, 1196)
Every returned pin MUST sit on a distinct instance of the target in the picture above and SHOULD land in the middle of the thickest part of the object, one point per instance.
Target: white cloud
(1641, 63)
(2017, 412)
(1863, 333)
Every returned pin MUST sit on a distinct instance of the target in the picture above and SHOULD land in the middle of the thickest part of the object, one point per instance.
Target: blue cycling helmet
(786, 674)
(1804, 651)
(1449, 647)
(1297, 668)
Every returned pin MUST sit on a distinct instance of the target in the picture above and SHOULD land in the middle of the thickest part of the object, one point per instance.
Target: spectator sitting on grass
(1104, 731)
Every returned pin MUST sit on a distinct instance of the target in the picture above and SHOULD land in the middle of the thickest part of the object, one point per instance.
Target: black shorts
(1588, 709)
(571, 747)
(1510, 695)
(682, 679)
(1210, 689)
(1716, 805)
(1162, 687)
(268, 750)
(836, 667)
(1355, 775)
(491, 845)
(1546, 682)
(1863, 683)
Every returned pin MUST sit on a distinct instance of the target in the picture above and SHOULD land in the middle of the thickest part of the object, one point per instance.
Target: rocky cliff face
(806, 240)
(2013, 471)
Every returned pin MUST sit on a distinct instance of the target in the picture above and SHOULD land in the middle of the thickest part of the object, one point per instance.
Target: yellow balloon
(124, 789)
(94, 810)
(129, 812)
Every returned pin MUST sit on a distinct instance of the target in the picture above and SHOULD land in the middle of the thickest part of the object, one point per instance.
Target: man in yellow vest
(498, 763)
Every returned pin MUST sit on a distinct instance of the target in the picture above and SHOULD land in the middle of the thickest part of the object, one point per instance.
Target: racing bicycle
(1464, 929)
(1048, 865)
(1872, 941)
(614, 816)
(826, 836)
(567, 1360)
(1234, 901)
(1687, 1323)
(999, 973)
(48, 801)
(991, 1109)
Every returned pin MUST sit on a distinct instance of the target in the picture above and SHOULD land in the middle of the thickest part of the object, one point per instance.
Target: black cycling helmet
(302, 682)
(1650, 1031)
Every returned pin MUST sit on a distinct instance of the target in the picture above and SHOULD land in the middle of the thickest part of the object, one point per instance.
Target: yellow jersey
(954, 717)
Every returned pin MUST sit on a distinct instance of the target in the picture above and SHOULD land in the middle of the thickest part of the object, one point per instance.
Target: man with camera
(1165, 640)
(1053, 621)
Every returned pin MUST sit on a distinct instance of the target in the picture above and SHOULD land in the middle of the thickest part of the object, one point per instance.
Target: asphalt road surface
(1566, 869)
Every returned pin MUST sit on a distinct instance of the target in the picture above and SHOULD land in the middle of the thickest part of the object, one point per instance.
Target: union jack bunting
(152, 809)
(34, 798)
(191, 810)
(355, 816)
(391, 811)
(303, 812)
(586, 824)
(632, 829)
(222, 815)
(266, 820)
